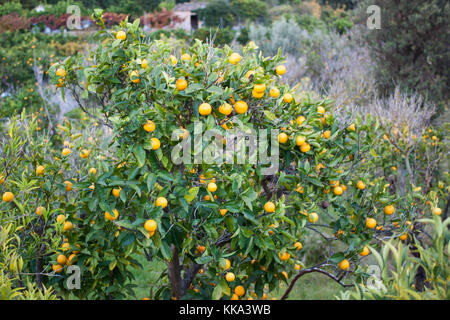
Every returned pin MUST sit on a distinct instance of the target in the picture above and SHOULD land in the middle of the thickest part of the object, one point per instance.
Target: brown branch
(311, 270)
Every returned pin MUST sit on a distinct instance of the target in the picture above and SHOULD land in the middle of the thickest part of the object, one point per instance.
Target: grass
(313, 286)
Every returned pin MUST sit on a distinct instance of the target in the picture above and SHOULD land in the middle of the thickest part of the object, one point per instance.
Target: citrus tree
(224, 230)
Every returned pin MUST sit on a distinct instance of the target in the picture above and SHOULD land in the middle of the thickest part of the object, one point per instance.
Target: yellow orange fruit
(344, 264)
(437, 211)
(181, 84)
(223, 211)
(149, 126)
(57, 268)
(230, 277)
(225, 109)
(371, 223)
(274, 92)
(84, 153)
(61, 259)
(234, 58)
(269, 207)
(8, 196)
(365, 251)
(259, 87)
(300, 120)
(156, 144)
(298, 245)
(69, 185)
(280, 70)
(150, 225)
(212, 187)
(144, 64)
(60, 72)
(239, 291)
(161, 202)
(204, 109)
(337, 190)
(388, 210)
(313, 217)
(287, 98)
(240, 107)
(113, 216)
(39, 210)
(300, 140)
(134, 76)
(305, 147)
(361, 185)
(327, 134)
(40, 170)
(116, 192)
(284, 256)
(93, 171)
(67, 226)
(121, 35)
(186, 57)
(282, 138)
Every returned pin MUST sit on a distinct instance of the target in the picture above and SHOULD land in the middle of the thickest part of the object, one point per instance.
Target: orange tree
(224, 230)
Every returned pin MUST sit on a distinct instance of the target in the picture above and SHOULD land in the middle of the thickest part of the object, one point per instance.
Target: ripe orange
(223, 211)
(269, 207)
(227, 265)
(282, 138)
(61, 259)
(67, 226)
(186, 57)
(364, 252)
(84, 153)
(297, 267)
(298, 245)
(155, 143)
(121, 35)
(327, 134)
(287, 98)
(257, 95)
(234, 58)
(225, 109)
(338, 191)
(259, 87)
(212, 187)
(280, 70)
(57, 268)
(390, 209)
(305, 147)
(40, 170)
(284, 256)
(239, 291)
(144, 64)
(240, 107)
(204, 109)
(230, 277)
(39, 210)
(60, 72)
(61, 218)
(300, 140)
(320, 110)
(113, 217)
(150, 225)
(313, 217)
(274, 92)
(68, 185)
(234, 297)
(8, 196)
(149, 126)
(403, 236)
(93, 171)
(344, 264)
(351, 127)
(134, 76)
(161, 202)
(66, 152)
(361, 185)
(181, 84)
(300, 120)
(371, 223)
(173, 59)
(116, 192)
(437, 211)
(72, 259)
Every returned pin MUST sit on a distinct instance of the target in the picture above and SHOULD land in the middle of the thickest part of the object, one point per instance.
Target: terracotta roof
(190, 6)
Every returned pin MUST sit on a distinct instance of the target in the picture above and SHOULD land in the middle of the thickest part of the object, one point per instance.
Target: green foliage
(398, 268)
(11, 7)
(411, 46)
(251, 10)
(218, 13)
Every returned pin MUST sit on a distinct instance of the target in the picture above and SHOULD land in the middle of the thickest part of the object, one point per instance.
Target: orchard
(98, 192)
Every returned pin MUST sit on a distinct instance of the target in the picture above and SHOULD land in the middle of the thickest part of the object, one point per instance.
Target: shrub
(11, 7)
(395, 279)
(218, 13)
(410, 48)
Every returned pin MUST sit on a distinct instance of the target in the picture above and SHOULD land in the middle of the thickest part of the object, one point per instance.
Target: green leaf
(192, 194)
(139, 152)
